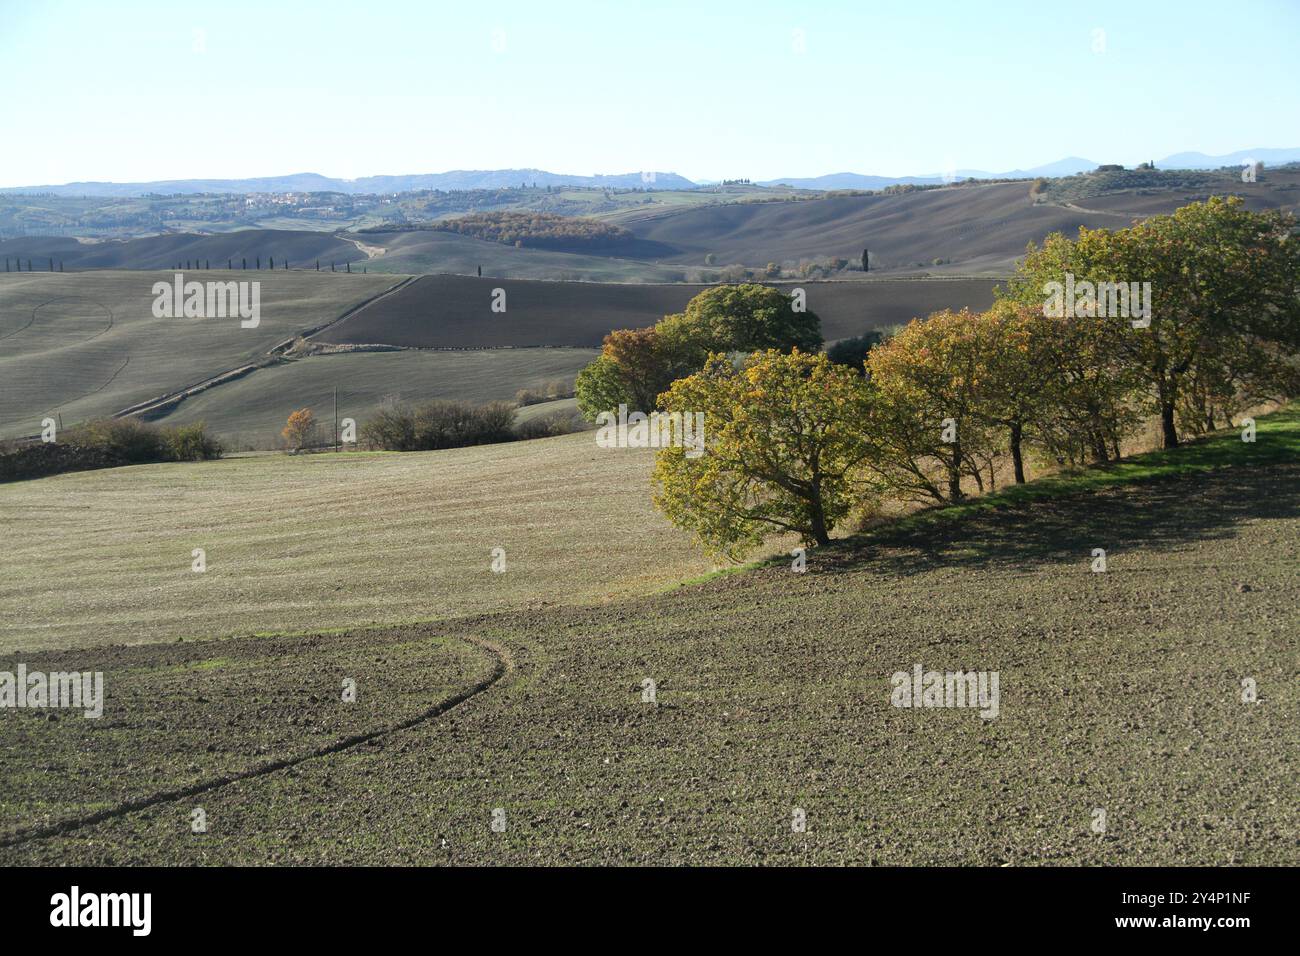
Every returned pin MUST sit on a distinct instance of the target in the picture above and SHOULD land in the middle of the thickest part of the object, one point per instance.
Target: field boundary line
(392, 289)
(179, 395)
(503, 664)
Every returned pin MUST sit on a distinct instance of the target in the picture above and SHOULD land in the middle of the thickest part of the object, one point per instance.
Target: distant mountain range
(1062, 167)
(503, 178)
(313, 182)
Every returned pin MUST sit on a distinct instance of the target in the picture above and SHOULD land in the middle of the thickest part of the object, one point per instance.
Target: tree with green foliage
(636, 365)
(1222, 278)
(853, 352)
(1016, 378)
(600, 387)
(742, 318)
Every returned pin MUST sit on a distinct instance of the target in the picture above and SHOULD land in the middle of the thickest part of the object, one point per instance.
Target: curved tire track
(60, 298)
(504, 664)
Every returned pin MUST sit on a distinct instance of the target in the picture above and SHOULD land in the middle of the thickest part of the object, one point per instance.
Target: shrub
(550, 425)
(444, 424)
(190, 443)
(392, 428)
(552, 390)
(128, 439)
(439, 424)
(107, 443)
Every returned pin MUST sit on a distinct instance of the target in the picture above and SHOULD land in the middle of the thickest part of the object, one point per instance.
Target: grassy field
(425, 251)
(456, 311)
(300, 247)
(317, 541)
(251, 411)
(1119, 691)
(82, 345)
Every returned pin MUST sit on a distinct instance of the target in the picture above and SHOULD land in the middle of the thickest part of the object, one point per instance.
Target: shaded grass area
(1005, 523)
(1277, 441)
(1024, 521)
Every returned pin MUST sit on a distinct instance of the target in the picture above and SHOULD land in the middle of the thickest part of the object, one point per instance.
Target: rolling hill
(427, 251)
(249, 412)
(455, 312)
(82, 345)
(1120, 690)
(301, 248)
(973, 229)
(688, 236)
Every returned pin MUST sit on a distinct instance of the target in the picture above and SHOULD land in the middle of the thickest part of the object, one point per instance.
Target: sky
(129, 91)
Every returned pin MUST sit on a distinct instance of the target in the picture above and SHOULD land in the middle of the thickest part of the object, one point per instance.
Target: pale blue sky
(130, 91)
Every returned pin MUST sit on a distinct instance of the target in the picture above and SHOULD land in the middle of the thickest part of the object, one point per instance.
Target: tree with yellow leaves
(926, 382)
(299, 428)
(786, 437)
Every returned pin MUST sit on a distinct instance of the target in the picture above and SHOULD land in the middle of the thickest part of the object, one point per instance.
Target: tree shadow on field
(1155, 514)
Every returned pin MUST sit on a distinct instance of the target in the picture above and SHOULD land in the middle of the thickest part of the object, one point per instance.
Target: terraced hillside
(82, 345)
(456, 311)
(530, 736)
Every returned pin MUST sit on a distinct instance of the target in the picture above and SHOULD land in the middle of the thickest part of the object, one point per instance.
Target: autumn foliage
(299, 428)
(944, 406)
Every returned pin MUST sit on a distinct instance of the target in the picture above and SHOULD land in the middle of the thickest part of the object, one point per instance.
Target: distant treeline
(1105, 181)
(537, 230)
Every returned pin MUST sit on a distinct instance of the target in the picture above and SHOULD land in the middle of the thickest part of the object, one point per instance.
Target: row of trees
(796, 441)
(18, 265)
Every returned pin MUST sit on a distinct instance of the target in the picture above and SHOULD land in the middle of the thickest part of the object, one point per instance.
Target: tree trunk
(1099, 453)
(820, 532)
(1016, 457)
(1167, 427)
(954, 473)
